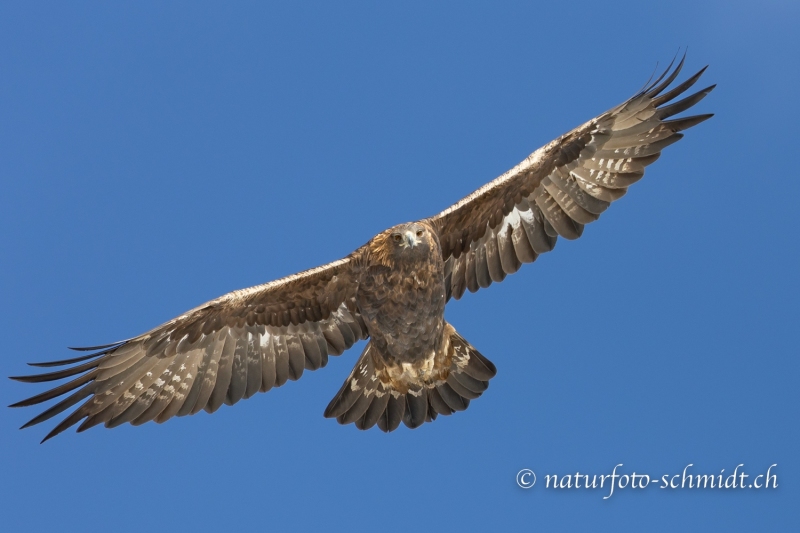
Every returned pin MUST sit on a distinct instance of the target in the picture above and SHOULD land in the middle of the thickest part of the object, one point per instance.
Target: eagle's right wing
(220, 352)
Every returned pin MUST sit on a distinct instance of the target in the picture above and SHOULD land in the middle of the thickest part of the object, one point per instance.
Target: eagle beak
(411, 239)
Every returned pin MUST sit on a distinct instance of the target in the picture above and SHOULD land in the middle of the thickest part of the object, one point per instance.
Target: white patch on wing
(513, 219)
(527, 217)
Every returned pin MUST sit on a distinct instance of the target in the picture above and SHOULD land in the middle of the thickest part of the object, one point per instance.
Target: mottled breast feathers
(401, 293)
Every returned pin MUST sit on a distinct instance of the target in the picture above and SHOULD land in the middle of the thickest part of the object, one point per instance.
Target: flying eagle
(392, 291)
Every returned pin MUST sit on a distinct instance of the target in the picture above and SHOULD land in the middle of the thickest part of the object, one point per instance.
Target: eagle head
(410, 241)
(407, 237)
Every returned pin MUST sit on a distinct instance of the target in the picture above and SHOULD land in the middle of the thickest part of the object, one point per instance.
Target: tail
(386, 394)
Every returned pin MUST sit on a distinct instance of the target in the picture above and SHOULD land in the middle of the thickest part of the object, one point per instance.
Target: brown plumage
(392, 290)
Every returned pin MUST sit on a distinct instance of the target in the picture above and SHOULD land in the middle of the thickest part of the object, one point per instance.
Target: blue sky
(155, 156)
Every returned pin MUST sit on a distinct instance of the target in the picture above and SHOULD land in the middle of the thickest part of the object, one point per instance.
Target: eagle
(392, 291)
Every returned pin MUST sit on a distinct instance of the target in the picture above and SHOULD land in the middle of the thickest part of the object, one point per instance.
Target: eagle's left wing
(560, 187)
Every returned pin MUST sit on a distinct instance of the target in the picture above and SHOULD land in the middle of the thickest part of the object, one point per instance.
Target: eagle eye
(397, 237)
(419, 233)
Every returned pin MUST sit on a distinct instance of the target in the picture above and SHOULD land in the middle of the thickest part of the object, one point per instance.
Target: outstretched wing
(220, 352)
(560, 187)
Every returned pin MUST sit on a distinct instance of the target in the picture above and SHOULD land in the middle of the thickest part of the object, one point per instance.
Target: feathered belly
(404, 313)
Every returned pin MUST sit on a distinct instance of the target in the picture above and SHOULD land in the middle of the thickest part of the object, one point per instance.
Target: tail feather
(416, 408)
(355, 386)
(393, 415)
(460, 389)
(375, 393)
(438, 405)
(375, 413)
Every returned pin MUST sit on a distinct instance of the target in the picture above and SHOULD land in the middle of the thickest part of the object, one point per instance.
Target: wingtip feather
(62, 362)
(656, 88)
(91, 348)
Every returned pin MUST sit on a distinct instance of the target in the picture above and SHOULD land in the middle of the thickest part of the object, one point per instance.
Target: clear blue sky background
(154, 156)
